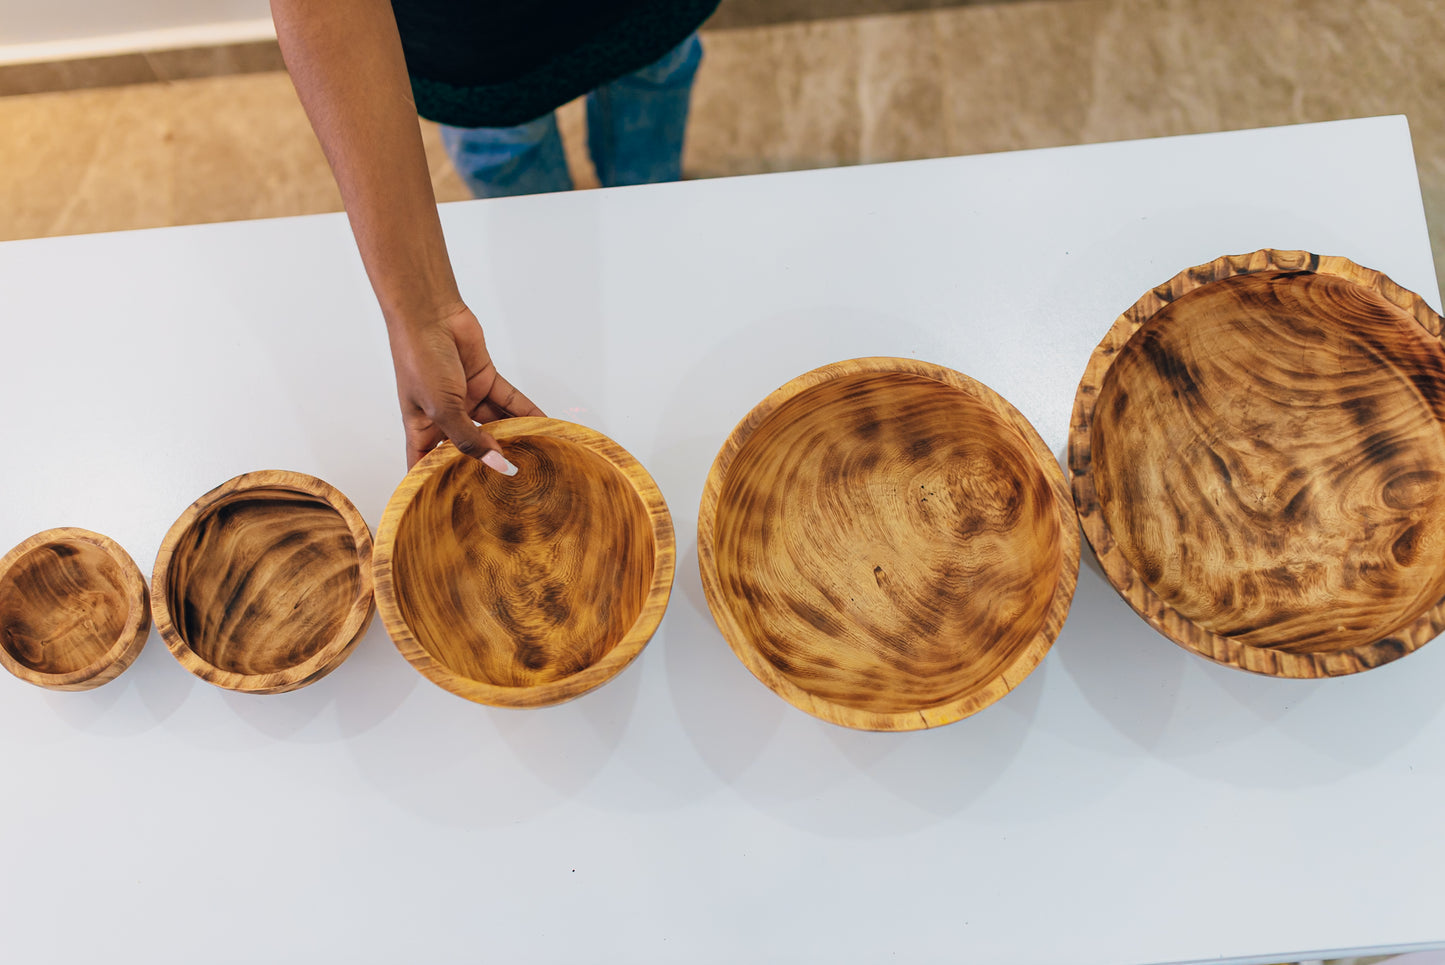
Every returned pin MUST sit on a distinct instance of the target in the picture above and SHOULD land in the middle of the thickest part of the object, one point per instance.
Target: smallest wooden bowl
(264, 584)
(74, 611)
(528, 590)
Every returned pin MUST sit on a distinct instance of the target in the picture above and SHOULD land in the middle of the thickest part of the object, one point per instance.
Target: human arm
(345, 60)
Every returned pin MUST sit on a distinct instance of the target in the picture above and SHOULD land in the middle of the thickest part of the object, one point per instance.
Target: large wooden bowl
(527, 590)
(887, 544)
(74, 611)
(1258, 460)
(264, 585)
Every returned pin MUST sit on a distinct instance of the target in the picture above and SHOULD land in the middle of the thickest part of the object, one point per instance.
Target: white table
(1128, 803)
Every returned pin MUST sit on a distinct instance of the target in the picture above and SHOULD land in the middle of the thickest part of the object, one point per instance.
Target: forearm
(346, 62)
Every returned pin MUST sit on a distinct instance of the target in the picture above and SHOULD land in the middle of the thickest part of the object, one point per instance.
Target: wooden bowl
(1258, 458)
(264, 584)
(74, 611)
(528, 590)
(887, 544)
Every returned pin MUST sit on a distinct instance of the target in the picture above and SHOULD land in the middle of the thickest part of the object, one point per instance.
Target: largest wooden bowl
(1258, 460)
(887, 544)
(263, 585)
(527, 590)
(74, 610)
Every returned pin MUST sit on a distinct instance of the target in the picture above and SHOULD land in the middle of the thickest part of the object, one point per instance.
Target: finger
(505, 396)
(487, 411)
(419, 442)
(471, 441)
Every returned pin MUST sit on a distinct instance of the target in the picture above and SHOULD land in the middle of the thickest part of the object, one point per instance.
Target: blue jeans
(635, 129)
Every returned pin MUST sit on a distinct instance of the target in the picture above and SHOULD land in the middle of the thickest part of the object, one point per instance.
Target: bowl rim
(1118, 570)
(574, 685)
(940, 714)
(325, 659)
(128, 644)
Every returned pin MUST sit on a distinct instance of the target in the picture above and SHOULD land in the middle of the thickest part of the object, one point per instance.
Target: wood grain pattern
(1258, 458)
(529, 590)
(74, 610)
(887, 544)
(264, 584)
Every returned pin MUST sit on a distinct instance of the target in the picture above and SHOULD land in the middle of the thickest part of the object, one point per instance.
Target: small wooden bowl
(74, 611)
(263, 585)
(887, 544)
(1258, 458)
(528, 590)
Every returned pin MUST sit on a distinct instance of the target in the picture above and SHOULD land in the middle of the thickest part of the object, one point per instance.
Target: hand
(446, 382)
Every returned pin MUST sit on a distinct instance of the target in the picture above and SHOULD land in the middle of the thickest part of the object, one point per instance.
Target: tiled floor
(935, 80)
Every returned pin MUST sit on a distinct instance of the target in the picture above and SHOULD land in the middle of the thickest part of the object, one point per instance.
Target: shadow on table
(1226, 724)
(820, 777)
(144, 697)
(465, 765)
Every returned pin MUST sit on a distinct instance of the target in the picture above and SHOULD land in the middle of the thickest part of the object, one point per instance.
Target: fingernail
(499, 462)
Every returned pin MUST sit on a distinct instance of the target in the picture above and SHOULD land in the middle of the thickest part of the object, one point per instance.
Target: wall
(60, 29)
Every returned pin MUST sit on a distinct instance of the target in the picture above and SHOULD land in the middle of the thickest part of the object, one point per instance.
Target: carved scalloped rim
(1117, 569)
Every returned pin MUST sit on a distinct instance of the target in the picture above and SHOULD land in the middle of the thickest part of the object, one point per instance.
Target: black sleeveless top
(498, 63)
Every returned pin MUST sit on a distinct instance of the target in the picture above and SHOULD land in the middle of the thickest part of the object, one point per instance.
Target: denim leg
(635, 124)
(499, 162)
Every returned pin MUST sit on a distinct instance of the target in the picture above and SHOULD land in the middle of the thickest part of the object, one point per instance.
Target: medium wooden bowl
(264, 584)
(74, 611)
(528, 590)
(1258, 458)
(887, 544)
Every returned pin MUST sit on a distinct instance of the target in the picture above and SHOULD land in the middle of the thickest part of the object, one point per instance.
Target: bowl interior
(520, 581)
(63, 606)
(887, 542)
(263, 579)
(1268, 456)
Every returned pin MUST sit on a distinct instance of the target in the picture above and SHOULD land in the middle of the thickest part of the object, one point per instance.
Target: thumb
(471, 441)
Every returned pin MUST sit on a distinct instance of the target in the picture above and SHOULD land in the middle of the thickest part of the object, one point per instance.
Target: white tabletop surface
(1128, 803)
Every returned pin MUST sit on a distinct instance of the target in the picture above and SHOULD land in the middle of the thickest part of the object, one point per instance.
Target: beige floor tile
(776, 98)
(214, 149)
(1015, 75)
(899, 90)
(46, 144)
(247, 151)
(147, 155)
(1040, 74)
(194, 151)
(816, 95)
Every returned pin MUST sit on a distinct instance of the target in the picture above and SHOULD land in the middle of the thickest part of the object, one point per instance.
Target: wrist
(410, 315)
